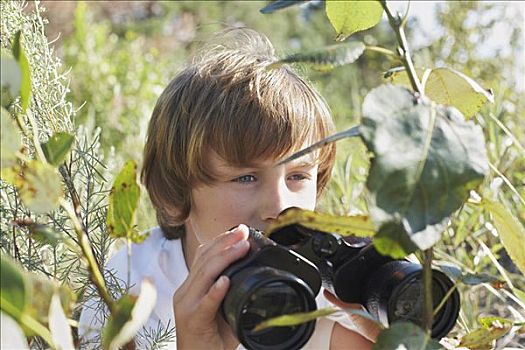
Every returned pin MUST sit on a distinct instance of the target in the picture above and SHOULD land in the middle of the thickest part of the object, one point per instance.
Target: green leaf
(57, 147)
(123, 203)
(40, 187)
(426, 160)
(450, 87)
(352, 132)
(59, 326)
(12, 335)
(328, 57)
(399, 76)
(13, 296)
(348, 17)
(405, 335)
(46, 289)
(294, 319)
(485, 335)
(9, 140)
(359, 225)
(492, 321)
(131, 313)
(454, 272)
(446, 86)
(511, 232)
(279, 5)
(10, 78)
(25, 85)
(45, 234)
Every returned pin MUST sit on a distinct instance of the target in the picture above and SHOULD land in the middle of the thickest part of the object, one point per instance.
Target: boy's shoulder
(139, 251)
(157, 258)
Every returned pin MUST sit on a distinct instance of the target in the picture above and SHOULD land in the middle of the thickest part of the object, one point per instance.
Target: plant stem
(382, 50)
(428, 312)
(94, 271)
(398, 25)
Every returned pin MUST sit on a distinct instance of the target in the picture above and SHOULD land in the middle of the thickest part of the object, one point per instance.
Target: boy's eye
(298, 177)
(245, 179)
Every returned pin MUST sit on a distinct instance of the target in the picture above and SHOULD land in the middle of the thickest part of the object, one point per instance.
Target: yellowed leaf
(510, 230)
(359, 225)
(39, 186)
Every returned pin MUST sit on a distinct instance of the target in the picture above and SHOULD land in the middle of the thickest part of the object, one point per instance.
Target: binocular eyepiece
(282, 274)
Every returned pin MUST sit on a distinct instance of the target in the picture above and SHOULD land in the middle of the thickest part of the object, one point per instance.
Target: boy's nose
(275, 200)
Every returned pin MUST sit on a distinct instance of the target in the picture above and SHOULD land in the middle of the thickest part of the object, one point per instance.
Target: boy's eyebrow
(301, 164)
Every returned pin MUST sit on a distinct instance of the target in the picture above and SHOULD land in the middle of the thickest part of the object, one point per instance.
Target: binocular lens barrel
(395, 293)
(260, 293)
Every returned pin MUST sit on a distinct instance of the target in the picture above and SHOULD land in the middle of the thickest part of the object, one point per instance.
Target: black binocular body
(283, 274)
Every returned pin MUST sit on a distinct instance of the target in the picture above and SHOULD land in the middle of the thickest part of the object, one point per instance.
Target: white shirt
(162, 261)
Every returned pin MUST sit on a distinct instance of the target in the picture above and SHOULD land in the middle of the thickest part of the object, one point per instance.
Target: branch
(428, 308)
(398, 25)
(94, 271)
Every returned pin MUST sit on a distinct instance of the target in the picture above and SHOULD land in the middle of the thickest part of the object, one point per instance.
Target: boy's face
(253, 196)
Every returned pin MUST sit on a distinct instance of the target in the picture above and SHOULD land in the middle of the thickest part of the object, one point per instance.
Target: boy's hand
(367, 328)
(196, 303)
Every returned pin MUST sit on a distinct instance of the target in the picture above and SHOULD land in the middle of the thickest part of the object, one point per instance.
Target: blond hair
(228, 101)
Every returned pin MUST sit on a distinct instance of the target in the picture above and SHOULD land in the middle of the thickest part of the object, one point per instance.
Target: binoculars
(283, 274)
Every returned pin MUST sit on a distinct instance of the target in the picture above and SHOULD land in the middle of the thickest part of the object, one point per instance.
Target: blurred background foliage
(118, 57)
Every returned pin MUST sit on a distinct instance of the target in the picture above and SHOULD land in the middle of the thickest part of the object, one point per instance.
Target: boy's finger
(223, 241)
(207, 271)
(211, 302)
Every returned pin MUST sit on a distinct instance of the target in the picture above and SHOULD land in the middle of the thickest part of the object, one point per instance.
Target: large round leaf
(426, 160)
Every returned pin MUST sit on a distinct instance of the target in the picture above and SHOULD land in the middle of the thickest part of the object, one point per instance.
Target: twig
(398, 25)
(428, 312)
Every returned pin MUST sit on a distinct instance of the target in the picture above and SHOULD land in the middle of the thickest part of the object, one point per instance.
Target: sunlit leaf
(57, 147)
(348, 17)
(280, 4)
(399, 76)
(10, 78)
(328, 57)
(294, 319)
(131, 313)
(485, 335)
(25, 84)
(12, 335)
(450, 87)
(510, 230)
(358, 225)
(59, 326)
(123, 203)
(446, 86)
(492, 321)
(405, 335)
(426, 159)
(9, 139)
(40, 187)
(13, 296)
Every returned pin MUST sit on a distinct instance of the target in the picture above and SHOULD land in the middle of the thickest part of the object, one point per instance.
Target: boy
(215, 135)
